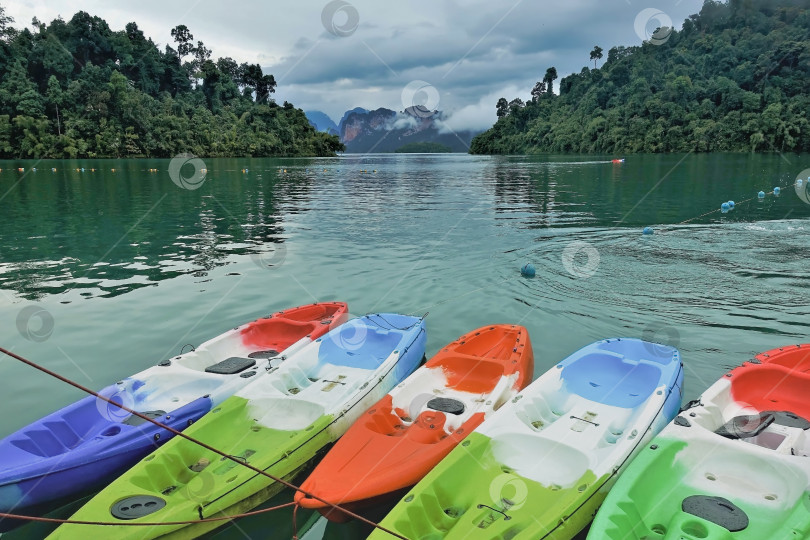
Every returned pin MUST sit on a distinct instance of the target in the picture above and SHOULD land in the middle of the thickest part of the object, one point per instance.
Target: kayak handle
(505, 517)
(183, 349)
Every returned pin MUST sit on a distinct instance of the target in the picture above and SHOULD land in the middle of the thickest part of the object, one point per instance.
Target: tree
(184, 39)
(502, 108)
(551, 76)
(538, 91)
(596, 54)
(55, 97)
(6, 30)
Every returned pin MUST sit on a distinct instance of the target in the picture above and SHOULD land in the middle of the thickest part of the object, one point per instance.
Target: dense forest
(734, 78)
(79, 89)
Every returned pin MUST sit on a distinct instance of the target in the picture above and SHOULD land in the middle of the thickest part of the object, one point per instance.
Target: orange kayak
(405, 434)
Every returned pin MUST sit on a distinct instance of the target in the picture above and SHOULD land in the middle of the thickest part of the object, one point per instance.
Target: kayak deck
(278, 423)
(541, 464)
(410, 430)
(733, 465)
(86, 444)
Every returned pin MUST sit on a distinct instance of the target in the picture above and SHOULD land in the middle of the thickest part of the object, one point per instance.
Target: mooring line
(198, 442)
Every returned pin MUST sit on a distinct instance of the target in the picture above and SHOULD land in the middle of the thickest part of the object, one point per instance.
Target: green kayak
(735, 465)
(541, 465)
(278, 423)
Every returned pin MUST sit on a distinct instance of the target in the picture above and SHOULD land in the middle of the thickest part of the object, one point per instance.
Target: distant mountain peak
(322, 122)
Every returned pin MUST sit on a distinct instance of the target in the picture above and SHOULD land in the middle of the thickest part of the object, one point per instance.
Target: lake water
(129, 266)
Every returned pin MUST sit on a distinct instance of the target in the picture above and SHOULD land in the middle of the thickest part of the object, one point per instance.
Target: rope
(684, 222)
(143, 524)
(295, 522)
(198, 442)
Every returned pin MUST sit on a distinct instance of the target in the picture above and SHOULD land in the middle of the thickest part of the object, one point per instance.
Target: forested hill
(735, 78)
(79, 89)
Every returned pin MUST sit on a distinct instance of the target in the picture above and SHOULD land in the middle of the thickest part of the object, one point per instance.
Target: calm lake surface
(130, 267)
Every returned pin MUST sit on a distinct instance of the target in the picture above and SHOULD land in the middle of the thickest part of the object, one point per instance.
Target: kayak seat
(768, 387)
(495, 343)
(276, 333)
(611, 379)
(231, 366)
(469, 374)
(359, 346)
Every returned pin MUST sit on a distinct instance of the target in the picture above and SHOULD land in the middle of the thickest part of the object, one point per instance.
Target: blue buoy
(731, 204)
(761, 194)
(777, 191)
(82, 169)
(528, 270)
(725, 208)
(648, 231)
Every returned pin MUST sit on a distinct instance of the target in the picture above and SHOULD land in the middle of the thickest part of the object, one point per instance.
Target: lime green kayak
(735, 465)
(541, 465)
(278, 423)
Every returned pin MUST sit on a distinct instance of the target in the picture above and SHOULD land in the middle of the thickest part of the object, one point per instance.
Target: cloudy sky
(458, 56)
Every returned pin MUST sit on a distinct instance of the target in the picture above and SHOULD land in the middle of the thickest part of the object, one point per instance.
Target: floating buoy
(725, 208)
(324, 170)
(92, 170)
(53, 169)
(777, 191)
(285, 171)
(528, 270)
(82, 169)
(731, 204)
(112, 170)
(21, 169)
(34, 169)
(761, 194)
(648, 231)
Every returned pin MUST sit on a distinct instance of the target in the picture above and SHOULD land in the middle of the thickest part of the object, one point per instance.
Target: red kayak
(404, 435)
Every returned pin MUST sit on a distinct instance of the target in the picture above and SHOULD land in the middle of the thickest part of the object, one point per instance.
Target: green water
(130, 267)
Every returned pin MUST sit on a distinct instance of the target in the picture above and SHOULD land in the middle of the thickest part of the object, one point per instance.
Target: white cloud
(478, 116)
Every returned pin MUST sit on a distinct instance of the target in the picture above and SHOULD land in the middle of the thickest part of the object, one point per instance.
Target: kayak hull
(543, 463)
(279, 423)
(734, 464)
(88, 443)
(404, 435)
